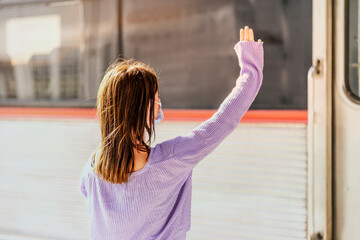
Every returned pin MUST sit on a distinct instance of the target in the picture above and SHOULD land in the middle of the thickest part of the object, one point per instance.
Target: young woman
(137, 192)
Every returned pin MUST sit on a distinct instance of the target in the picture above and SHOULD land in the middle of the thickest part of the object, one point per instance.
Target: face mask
(160, 117)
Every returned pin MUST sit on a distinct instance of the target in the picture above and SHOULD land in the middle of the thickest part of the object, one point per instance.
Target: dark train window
(189, 43)
(353, 51)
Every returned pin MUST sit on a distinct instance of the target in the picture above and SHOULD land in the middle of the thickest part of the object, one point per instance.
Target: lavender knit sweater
(155, 204)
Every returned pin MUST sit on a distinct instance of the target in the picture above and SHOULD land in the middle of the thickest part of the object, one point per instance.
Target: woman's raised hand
(247, 35)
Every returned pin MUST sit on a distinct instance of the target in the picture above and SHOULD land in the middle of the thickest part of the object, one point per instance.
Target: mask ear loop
(157, 102)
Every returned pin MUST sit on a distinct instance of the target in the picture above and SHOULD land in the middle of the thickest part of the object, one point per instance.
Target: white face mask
(160, 116)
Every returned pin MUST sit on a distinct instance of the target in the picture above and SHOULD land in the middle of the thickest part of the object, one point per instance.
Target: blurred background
(53, 55)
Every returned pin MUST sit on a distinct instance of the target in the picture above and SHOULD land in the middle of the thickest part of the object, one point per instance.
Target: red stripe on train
(280, 116)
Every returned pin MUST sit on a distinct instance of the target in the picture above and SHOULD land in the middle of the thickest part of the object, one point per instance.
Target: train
(288, 171)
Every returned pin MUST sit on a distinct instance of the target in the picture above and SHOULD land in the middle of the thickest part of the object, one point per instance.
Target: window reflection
(39, 57)
(55, 54)
(41, 35)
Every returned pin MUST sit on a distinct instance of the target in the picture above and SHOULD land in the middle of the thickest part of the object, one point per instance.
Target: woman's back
(153, 204)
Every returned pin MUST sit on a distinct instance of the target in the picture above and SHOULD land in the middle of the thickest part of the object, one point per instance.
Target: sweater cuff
(250, 53)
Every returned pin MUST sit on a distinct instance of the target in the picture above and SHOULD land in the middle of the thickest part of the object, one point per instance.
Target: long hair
(123, 105)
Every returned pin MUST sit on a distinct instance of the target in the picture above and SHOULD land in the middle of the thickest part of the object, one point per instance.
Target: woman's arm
(208, 135)
(202, 140)
(187, 151)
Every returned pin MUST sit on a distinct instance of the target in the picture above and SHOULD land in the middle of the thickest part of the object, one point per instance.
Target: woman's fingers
(242, 34)
(251, 35)
(246, 33)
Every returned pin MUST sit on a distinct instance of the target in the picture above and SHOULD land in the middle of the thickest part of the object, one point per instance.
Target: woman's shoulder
(162, 151)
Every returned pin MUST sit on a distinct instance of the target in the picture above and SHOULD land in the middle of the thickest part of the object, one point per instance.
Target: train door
(346, 124)
(333, 121)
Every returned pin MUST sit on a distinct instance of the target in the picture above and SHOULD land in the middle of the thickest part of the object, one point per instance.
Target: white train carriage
(262, 164)
(288, 174)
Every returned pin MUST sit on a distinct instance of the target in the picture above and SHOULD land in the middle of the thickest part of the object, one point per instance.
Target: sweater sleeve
(187, 151)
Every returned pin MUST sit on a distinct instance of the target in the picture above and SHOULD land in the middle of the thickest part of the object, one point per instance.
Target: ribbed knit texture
(156, 201)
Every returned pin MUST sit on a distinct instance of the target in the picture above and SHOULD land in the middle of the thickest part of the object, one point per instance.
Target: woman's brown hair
(123, 104)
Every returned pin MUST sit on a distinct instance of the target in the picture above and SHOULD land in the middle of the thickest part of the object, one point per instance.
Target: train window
(53, 54)
(353, 50)
(189, 43)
